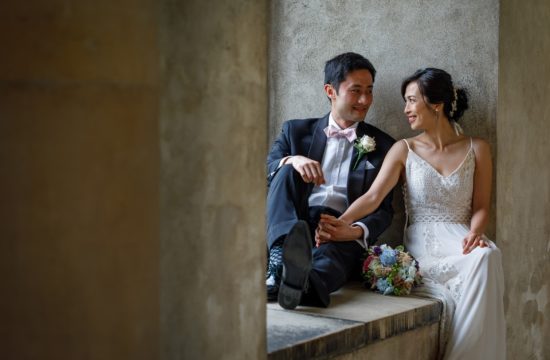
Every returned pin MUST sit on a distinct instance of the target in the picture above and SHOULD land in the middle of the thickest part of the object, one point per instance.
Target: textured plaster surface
(398, 37)
(213, 144)
(523, 194)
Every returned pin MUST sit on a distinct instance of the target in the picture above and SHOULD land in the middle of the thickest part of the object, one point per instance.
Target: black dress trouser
(334, 263)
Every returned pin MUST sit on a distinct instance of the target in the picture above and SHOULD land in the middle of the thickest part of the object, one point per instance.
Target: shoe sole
(296, 265)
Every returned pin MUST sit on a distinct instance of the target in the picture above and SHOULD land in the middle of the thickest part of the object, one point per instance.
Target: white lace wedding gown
(470, 286)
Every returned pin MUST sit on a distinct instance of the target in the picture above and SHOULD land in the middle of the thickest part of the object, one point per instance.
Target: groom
(314, 168)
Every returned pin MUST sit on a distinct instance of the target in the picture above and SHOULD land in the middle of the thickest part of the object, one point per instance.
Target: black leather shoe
(272, 284)
(272, 292)
(296, 265)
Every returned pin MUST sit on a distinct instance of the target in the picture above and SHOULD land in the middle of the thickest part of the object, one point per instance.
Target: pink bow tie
(333, 132)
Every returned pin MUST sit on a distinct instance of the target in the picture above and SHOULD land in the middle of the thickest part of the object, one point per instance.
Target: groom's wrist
(284, 161)
(364, 233)
(357, 231)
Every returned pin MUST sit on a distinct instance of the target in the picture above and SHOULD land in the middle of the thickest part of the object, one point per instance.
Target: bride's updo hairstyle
(436, 86)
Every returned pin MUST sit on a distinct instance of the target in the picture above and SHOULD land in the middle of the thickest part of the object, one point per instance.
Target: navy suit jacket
(306, 137)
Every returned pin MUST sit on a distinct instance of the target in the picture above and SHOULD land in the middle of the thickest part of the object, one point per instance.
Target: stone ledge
(355, 319)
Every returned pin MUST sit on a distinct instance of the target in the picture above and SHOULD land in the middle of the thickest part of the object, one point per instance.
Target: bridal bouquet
(390, 271)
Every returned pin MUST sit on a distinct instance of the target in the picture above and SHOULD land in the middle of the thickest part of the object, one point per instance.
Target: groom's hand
(333, 229)
(310, 170)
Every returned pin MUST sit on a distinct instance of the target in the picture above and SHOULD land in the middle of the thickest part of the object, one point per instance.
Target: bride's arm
(481, 199)
(332, 229)
(385, 181)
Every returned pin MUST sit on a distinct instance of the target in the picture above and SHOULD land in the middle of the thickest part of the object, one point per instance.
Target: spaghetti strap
(471, 142)
(404, 188)
(406, 142)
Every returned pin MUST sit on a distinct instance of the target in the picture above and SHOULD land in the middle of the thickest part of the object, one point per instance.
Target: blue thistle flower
(388, 257)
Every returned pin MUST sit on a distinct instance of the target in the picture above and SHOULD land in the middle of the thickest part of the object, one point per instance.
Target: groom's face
(351, 102)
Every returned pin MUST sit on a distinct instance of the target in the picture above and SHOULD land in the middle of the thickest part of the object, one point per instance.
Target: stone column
(523, 191)
(132, 148)
(213, 148)
(79, 174)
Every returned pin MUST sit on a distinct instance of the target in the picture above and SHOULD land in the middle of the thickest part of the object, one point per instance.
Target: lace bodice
(432, 197)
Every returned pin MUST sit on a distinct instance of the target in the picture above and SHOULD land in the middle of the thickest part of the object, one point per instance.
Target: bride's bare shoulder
(400, 149)
(412, 142)
(481, 146)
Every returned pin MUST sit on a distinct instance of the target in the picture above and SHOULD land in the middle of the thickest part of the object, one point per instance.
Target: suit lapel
(360, 179)
(318, 140)
(356, 177)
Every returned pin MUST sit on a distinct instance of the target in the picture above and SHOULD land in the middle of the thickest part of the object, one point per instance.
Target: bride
(447, 190)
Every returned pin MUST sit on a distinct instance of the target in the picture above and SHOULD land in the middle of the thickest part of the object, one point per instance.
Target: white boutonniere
(364, 145)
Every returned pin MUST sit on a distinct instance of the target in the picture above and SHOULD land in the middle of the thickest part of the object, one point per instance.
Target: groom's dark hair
(337, 68)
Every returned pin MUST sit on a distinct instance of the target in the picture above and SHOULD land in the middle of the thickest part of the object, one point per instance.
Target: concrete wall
(523, 192)
(79, 180)
(213, 145)
(398, 37)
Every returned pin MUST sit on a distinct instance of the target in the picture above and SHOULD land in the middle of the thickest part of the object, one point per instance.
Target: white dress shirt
(336, 164)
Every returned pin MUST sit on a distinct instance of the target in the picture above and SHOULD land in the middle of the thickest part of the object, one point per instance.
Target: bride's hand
(471, 241)
(333, 229)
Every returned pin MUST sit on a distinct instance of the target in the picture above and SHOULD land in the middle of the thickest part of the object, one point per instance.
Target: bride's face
(419, 114)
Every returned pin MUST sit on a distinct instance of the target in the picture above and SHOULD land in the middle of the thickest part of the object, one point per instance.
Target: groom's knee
(287, 173)
(287, 182)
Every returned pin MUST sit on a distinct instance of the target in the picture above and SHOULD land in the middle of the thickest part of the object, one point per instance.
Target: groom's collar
(332, 122)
